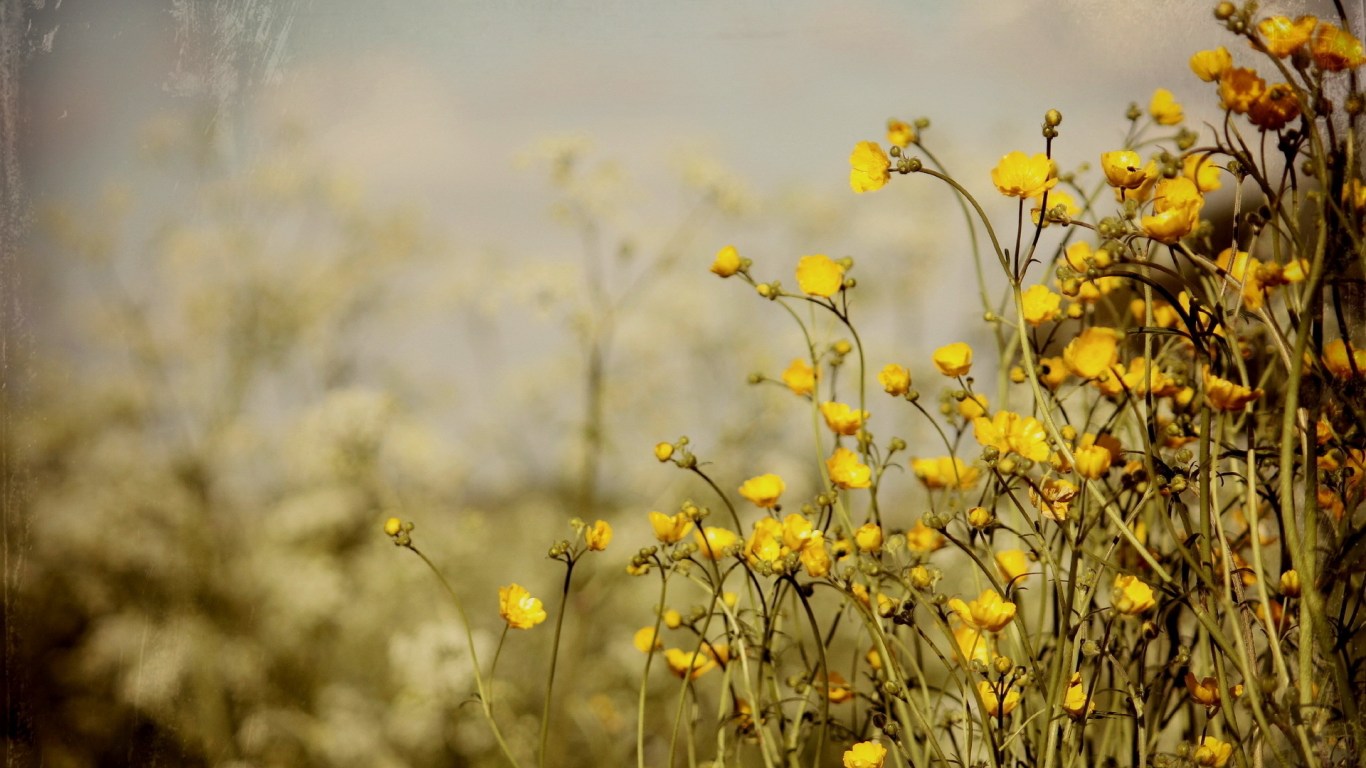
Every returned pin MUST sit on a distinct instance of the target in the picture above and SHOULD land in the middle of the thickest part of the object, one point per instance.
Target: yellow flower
(1201, 169)
(1354, 192)
(1092, 352)
(598, 535)
(670, 530)
(1093, 461)
(647, 640)
(763, 490)
(815, 557)
(1239, 87)
(688, 663)
(1226, 395)
(973, 406)
(945, 472)
(1282, 37)
(1144, 190)
(895, 379)
(1040, 305)
(673, 619)
(1164, 108)
(1290, 584)
(865, 754)
(900, 134)
(922, 538)
(1053, 372)
(843, 420)
(972, 644)
(1010, 432)
(1335, 358)
(1170, 226)
(979, 517)
(846, 471)
(1336, 49)
(797, 532)
(1056, 198)
(727, 262)
(819, 276)
(1074, 701)
(953, 359)
(870, 168)
(1123, 169)
(1276, 107)
(1210, 65)
(869, 537)
(993, 705)
(392, 526)
(1078, 253)
(1018, 175)
(1164, 314)
(1212, 753)
(1131, 596)
(1013, 564)
(1205, 691)
(800, 377)
(989, 612)
(713, 541)
(664, 451)
(518, 608)
(1176, 207)
(837, 689)
(1053, 498)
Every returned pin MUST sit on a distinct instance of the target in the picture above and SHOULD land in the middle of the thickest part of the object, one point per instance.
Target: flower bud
(1052, 118)
(393, 526)
(664, 451)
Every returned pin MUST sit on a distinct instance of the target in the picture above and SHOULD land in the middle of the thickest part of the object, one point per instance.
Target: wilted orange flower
(1226, 395)
(1013, 564)
(923, 538)
(1205, 691)
(1010, 432)
(1239, 87)
(1336, 49)
(1164, 108)
(1201, 169)
(688, 663)
(1335, 357)
(800, 377)
(1123, 169)
(1053, 498)
(670, 530)
(518, 608)
(1282, 37)
(1075, 703)
(1018, 175)
(900, 134)
(990, 612)
(973, 406)
(995, 707)
(727, 262)
(1040, 305)
(819, 275)
(1092, 352)
(598, 535)
(1131, 596)
(846, 471)
(1276, 106)
(865, 754)
(945, 472)
(870, 167)
(869, 537)
(842, 419)
(1093, 461)
(712, 542)
(1212, 753)
(953, 359)
(763, 490)
(1210, 65)
(895, 379)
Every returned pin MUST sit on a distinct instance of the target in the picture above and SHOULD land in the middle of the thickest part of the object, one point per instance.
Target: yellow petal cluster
(1010, 432)
(1336, 49)
(1092, 352)
(1239, 88)
(1164, 108)
(1226, 395)
(900, 134)
(670, 529)
(712, 542)
(923, 538)
(598, 535)
(518, 608)
(1201, 169)
(1211, 65)
(1040, 305)
(973, 406)
(846, 471)
(1019, 175)
(1013, 564)
(870, 169)
(865, 754)
(945, 472)
(842, 419)
(819, 275)
(953, 359)
(895, 379)
(1123, 169)
(994, 706)
(727, 262)
(763, 490)
(1176, 210)
(692, 664)
(1212, 753)
(869, 537)
(1093, 461)
(1282, 37)
(990, 612)
(1074, 702)
(800, 377)
(646, 640)
(1131, 596)
(1053, 498)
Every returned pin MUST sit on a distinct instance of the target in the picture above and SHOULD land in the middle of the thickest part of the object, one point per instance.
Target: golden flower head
(900, 134)
(1205, 691)
(837, 689)
(1040, 305)
(1164, 108)
(670, 529)
(1290, 584)
(598, 535)
(797, 532)
(846, 471)
(945, 472)
(1056, 198)
(1092, 352)
(842, 419)
(1210, 65)
(1093, 461)
(953, 359)
(1075, 702)
(869, 537)
(1201, 169)
(1018, 175)
(1212, 753)
(1276, 107)
(973, 406)
(664, 451)
(869, 167)
(980, 517)
(1282, 37)
(895, 379)
(727, 262)
(1010, 432)
(1053, 498)
(392, 526)
(1171, 225)
(1053, 372)
(1339, 358)
(646, 640)
(518, 608)
(815, 557)
(1336, 49)
(1013, 563)
(763, 490)
(688, 663)
(1239, 87)
(819, 275)
(993, 705)
(713, 541)
(923, 538)
(1226, 395)
(972, 644)
(990, 612)
(865, 754)
(1131, 596)
(672, 619)
(1123, 169)
(800, 377)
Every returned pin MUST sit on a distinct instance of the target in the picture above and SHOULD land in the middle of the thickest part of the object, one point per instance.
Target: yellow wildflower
(392, 526)
(979, 517)
(990, 612)
(598, 535)
(1210, 65)
(1276, 107)
(1093, 461)
(1290, 584)
(973, 406)
(870, 168)
(1131, 596)
(1123, 169)
(518, 608)
(1164, 108)
(763, 490)
(713, 541)
(945, 472)
(664, 451)
(869, 537)
(1212, 753)
(1226, 395)
(837, 689)
(1282, 37)
(923, 538)
(895, 379)
(1040, 305)
(800, 377)
(846, 471)
(819, 276)
(727, 262)
(1074, 701)
(798, 532)
(670, 530)
(900, 134)
(1056, 198)
(1012, 433)
(1053, 498)
(1201, 169)
(646, 640)
(865, 754)
(994, 707)
(688, 663)
(815, 557)
(1078, 253)
(1336, 359)
(673, 619)
(1092, 352)
(1239, 87)
(1013, 564)
(766, 541)
(1018, 175)
(842, 419)
(1053, 372)
(972, 644)
(1205, 691)
(1176, 205)
(953, 359)
(1336, 49)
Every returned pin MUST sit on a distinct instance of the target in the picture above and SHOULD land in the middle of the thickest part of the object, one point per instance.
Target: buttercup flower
(1276, 107)
(923, 538)
(1053, 372)
(664, 451)
(972, 644)
(798, 532)
(900, 134)
(1226, 395)
(1131, 596)
(989, 612)
(1212, 753)
(1013, 564)
(646, 640)
(1210, 65)
(1056, 197)
(1238, 88)
(673, 619)
(895, 379)
(1092, 352)
(869, 537)
(815, 557)
(1176, 205)
(1123, 169)
(819, 275)
(945, 472)
(994, 707)
(870, 167)
(1012, 433)
(846, 471)
(843, 420)
(953, 359)
(1205, 691)
(670, 530)
(598, 535)
(1290, 584)
(766, 541)
(763, 490)
(1201, 169)
(518, 608)
(1080, 252)
(800, 377)
(1164, 108)
(865, 754)
(1074, 701)
(1282, 37)
(392, 526)
(1093, 461)
(1336, 49)
(1040, 305)
(727, 262)
(688, 663)
(836, 688)
(1018, 175)
(1336, 359)
(1053, 498)
(712, 542)
(973, 406)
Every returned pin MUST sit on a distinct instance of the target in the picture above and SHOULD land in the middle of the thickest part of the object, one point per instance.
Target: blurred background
(276, 270)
